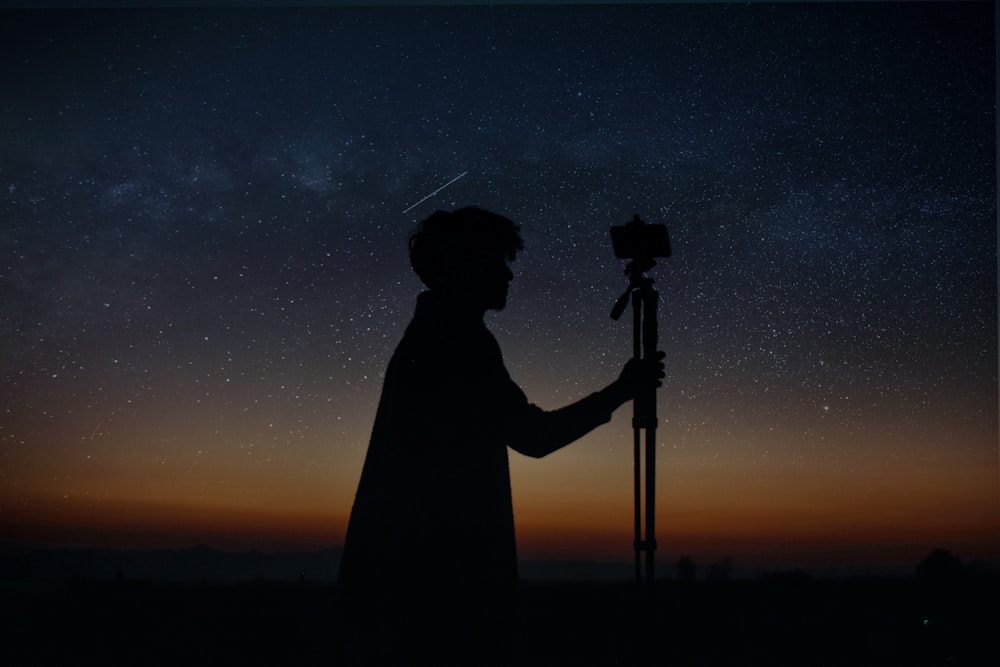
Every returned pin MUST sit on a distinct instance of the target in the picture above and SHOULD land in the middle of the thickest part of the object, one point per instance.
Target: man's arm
(536, 432)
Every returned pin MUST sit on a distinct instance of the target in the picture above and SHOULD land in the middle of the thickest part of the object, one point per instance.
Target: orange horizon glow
(753, 532)
(573, 505)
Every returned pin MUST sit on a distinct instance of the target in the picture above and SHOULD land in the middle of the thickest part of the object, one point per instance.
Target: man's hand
(641, 375)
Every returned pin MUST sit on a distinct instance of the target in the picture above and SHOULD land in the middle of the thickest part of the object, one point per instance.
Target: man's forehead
(483, 258)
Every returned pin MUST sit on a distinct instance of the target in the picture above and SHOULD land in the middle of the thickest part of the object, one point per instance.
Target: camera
(638, 240)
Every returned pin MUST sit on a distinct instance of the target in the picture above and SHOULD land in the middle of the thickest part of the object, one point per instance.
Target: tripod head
(639, 242)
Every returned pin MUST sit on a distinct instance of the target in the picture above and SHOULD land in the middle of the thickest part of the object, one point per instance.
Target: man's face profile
(464, 255)
(483, 280)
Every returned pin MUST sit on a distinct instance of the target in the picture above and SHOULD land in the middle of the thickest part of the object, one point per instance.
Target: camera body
(638, 240)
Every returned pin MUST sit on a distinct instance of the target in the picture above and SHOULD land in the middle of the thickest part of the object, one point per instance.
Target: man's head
(464, 253)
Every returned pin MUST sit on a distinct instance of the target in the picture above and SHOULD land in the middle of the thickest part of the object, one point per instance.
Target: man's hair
(448, 240)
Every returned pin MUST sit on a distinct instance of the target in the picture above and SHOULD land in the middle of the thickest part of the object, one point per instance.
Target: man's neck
(458, 306)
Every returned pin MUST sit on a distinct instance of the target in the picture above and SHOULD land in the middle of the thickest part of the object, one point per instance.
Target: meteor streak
(435, 192)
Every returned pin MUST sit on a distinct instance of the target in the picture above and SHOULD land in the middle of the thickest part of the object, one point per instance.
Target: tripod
(644, 343)
(640, 243)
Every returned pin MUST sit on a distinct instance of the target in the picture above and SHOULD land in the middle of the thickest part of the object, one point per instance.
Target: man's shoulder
(430, 335)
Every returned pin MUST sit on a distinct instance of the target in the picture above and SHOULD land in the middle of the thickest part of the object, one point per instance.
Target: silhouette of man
(429, 558)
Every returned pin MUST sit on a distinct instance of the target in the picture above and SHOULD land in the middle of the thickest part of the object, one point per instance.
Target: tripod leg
(637, 481)
(649, 345)
(637, 545)
(650, 541)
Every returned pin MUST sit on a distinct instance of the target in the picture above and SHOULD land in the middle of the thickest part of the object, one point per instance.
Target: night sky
(203, 270)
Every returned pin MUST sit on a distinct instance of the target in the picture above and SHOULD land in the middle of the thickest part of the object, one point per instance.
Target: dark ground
(780, 619)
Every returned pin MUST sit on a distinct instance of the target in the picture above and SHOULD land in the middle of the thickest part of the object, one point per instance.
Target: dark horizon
(34, 563)
(265, 612)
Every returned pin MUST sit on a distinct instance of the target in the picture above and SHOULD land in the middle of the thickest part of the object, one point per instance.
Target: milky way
(204, 264)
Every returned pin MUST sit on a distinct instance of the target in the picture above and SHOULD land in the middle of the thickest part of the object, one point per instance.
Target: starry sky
(203, 270)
